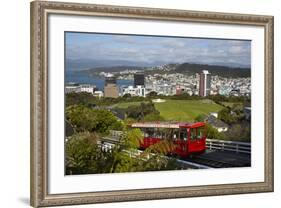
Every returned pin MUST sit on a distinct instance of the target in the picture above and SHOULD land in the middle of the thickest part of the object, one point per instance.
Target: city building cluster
(166, 84)
(88, 88)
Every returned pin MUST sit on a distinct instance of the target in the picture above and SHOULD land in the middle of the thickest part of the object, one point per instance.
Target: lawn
(181, 110)
(186, 110)
(126, 105)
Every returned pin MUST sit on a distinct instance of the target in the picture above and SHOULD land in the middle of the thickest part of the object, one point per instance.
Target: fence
(116, 134)
(232, 146)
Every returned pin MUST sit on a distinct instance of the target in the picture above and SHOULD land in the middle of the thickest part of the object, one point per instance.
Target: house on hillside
(216, 123)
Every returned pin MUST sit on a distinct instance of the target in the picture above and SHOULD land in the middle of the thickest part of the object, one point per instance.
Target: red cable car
(189, 138)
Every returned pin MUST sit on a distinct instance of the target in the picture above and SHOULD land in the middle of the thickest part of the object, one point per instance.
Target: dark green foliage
(213, 133)
(239, 132)
(93, 120)
(200, 118)
(140, 112)
(81, 153)
(132, 138)
(227, 116)
(239, 128)
(87, 99)
(152, 94)
(84, 155)
(79, 99)
(232, 99)
(127, 95)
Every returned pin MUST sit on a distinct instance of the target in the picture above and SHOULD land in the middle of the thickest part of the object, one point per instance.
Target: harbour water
(80, 78)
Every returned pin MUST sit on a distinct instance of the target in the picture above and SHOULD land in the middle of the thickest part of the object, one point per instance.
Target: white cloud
(160, 49)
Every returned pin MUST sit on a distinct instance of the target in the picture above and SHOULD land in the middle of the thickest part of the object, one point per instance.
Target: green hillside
(181, 110)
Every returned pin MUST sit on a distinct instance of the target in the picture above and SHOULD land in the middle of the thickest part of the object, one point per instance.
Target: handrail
(232, 146)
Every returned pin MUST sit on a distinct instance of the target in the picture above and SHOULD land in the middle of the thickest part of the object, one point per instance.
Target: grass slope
(181, 110)
(185, 110)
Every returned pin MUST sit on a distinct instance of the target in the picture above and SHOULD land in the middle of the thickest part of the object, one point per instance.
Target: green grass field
(181, 110)
(126, 105)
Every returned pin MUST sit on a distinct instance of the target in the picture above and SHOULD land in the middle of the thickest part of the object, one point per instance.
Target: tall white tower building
(205, 83)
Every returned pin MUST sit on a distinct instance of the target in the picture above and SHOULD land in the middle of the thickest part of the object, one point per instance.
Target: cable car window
(200, 132)
(158, 134)
(175, 134)
(145, 132)
(183, 134)
(193, 133)
(149, 132)
(166, 133)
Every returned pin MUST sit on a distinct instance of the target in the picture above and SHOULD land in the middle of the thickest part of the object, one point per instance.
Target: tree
(240, 132)
(152, 94)
(225, 115)
(83, 118)
(132, 138)
(85, 155)
(106, 121)
(127, 95)
(139, 112)
(122, 152)
(81, 152)
(82, 98)
(200, 118)
(213, 133)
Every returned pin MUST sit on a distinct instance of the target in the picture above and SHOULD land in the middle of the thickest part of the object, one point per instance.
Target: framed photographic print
(143, 103)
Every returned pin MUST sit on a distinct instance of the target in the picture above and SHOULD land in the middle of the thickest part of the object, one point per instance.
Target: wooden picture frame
(39, 103)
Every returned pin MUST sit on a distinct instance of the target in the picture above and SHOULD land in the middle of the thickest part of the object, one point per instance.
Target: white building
(80, 88)
(87, 88)
(205, 83)
(98, 94)
(139, 90)
(72, 89)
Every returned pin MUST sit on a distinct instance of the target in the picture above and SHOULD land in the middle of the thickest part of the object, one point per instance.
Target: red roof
(171, 125)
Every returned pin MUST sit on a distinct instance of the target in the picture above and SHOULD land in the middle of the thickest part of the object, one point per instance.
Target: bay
(80, 78)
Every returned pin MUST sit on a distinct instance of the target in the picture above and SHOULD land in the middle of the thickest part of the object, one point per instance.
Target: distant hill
(84, 64)
(97, 70)
(184, 68)
(224, 71)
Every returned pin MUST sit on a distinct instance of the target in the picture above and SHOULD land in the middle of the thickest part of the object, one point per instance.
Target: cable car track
(212, 163)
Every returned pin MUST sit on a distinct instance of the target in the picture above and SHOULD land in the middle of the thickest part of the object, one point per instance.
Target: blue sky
(154, 49)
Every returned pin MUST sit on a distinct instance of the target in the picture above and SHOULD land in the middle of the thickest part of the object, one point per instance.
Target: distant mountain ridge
(224, 71)
(184, 68)
(84, 64)
(97, 70)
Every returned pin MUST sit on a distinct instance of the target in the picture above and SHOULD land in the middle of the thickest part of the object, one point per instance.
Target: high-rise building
(205, 83)
(111, 88)
(138, 79)
(110, 79)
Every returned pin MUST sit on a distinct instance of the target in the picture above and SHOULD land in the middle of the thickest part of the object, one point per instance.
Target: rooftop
(171, 125)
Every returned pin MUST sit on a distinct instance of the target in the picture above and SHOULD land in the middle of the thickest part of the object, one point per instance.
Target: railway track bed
(221, 159)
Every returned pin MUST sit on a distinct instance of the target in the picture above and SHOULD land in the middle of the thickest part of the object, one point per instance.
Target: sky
(151, 50)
